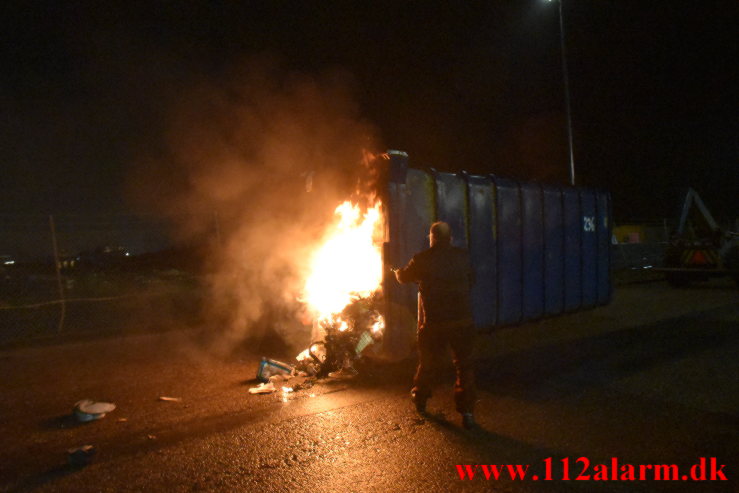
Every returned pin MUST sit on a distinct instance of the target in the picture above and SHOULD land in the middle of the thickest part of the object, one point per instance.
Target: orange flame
(347, 264)
(379, 325)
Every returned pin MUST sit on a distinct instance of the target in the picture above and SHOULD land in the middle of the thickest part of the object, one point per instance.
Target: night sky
(85, 91)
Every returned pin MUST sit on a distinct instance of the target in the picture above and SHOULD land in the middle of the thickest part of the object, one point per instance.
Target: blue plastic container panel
(604, 248)
(589, 252)
(510, 285)
(421, 212)
(451, 205)
(554, 281)
(482, 248)
(410, 210)
(572, 248)
(533, 250)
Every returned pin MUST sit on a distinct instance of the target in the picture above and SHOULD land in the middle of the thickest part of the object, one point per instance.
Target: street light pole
(567, 91)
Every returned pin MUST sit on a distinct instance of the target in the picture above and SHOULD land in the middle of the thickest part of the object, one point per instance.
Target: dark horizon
(86, 91)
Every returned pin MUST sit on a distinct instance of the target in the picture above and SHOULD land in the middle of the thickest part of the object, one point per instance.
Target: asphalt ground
(649, 379)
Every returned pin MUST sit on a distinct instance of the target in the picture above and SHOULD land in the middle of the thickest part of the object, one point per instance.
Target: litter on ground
(263, 388)
(80, 456)
(343, 373)
(89, 410)
(269, 367)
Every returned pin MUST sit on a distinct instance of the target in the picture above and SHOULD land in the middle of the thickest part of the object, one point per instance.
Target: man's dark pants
(432, 343)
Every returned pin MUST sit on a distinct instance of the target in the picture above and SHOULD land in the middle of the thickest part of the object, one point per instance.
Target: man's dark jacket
(444, 277)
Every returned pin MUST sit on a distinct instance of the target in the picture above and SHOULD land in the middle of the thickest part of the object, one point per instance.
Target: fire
(347, 265)
(379, 325)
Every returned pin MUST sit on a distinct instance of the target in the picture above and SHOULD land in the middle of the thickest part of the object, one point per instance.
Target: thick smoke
(257, 164)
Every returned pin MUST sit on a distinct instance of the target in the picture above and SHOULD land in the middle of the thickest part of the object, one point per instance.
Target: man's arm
(409, 273)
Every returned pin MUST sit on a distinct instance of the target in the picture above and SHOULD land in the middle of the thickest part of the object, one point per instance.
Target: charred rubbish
(340, 353)
(347, 336)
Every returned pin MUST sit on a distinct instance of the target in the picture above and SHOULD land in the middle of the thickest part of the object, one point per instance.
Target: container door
(533, 251)
(553, 251)
(410, 210)
(483, 251)
(451, 205)
(589, 249)
(572, 248)
(603, 210)
(510, 286)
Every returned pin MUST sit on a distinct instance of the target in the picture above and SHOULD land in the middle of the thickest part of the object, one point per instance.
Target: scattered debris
(276, 379)
(347, 337)
(151, 437)
(343, 373)
(307, 363)
(81, 456)
(263, 388)
(122, 420)
(364, 340)
(286, 389)
(317, 352)
(170, 399)
(300, 382)
(89, 410)
(304, 355)
(270, 367)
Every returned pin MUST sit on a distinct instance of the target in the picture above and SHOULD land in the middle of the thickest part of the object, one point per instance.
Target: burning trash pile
(343, 297)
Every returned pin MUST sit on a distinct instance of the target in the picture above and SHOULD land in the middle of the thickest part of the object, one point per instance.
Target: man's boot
(420, 402)
(468, 421)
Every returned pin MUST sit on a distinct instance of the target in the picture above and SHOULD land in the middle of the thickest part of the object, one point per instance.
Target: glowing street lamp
(567, 90)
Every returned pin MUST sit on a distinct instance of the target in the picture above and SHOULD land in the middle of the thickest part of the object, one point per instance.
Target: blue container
(536, 250)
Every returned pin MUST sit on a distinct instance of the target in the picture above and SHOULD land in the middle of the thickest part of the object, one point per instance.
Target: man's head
(440, 234)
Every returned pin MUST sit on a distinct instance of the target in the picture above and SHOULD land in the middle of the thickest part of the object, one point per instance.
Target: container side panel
(410, 212)
(572, 248)
(533, 251)
(451, 205)
(553, 252)
(398, 324)
(589, 253)
(483, 251)
(509, 252)
(420, 212)
(604, 247)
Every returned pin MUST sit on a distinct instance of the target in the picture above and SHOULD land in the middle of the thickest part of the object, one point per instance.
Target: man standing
(444, 317)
